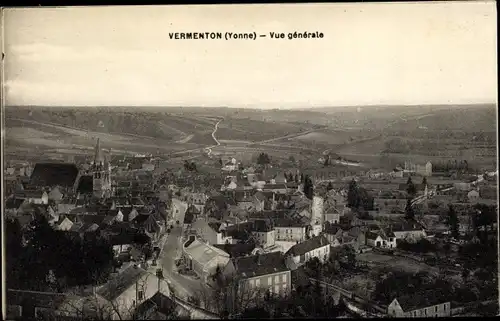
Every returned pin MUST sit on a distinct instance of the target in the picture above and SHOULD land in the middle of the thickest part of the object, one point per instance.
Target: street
(183, 286)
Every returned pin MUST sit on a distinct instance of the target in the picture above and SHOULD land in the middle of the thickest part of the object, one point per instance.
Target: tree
(424, 181)
(263, 159)
(353, 195)
(291, 159)
(296, 178)
(411, 189)
(327, 161)
(409, 212)
(329, 187)
(308, 187)
(452, 221)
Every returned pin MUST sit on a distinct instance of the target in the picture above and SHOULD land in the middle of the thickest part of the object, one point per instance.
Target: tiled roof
(308, 245)
(259, 265)
(237, 250)
(422, 300)
(332, 229)
(287, 222)
(371, 235)
(123, 281)
(52, 174)
(36, 298)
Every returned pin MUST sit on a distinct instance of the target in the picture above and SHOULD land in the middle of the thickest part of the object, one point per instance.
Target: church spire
(98, 158)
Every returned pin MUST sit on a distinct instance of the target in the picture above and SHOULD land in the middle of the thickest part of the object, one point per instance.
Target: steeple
(98, 157)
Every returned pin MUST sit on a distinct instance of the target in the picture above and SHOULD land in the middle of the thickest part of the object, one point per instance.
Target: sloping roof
(308, 245)
(260, 196)
(13, 203)
(52, 174)
(85, 184)
(116, 286)
(237, 250)
(203, 253)
(35, 298)
(258, 265)
(288, 222)
(331, 229)
(372, 235)
(421, 300)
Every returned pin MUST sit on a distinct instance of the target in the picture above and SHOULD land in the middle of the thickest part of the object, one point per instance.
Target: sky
(371, 54)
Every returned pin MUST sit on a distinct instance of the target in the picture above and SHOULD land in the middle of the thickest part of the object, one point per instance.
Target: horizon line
(254, 107)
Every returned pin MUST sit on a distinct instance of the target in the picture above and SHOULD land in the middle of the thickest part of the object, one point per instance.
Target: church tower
(101, 174)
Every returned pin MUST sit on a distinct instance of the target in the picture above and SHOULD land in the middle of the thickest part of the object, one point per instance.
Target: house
(409, 229)
(190, 216)
(375, 239)
(55, 195)
(203, 258)
(289, 230)
(129, 289)
(333, 233)
(317, 246)
(420, 305)
(261, 272)
(259, 200)
(238, 249)
(391, 205)
(277, 188)
(198, 200)
(211, 232)
(332, 215)
(32, 305)
(159, 307)
(264, 233)
(34, 196)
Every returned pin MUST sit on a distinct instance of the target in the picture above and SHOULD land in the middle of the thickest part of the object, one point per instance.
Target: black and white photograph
(251, 161)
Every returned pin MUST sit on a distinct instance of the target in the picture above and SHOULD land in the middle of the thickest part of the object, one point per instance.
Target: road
(209, 149)
(183, 286)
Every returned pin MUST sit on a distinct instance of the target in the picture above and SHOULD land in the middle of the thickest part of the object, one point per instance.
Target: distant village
(268, 228)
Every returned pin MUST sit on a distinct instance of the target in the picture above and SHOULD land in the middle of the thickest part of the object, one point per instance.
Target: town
(118, 237)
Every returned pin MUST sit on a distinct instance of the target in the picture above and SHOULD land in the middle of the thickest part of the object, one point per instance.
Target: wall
(293, 234)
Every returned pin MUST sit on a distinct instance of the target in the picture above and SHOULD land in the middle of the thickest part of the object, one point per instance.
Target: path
(209, 149)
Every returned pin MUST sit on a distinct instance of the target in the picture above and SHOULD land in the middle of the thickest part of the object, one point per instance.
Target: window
(269, 281)
(444, 307)
(283, 278)
(276, 279)
(257, 283)
(277, 289)
(435, 309)
(140, 295)
(252, 283)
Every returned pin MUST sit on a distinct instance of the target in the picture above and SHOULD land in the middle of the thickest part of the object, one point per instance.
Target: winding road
(209, 149)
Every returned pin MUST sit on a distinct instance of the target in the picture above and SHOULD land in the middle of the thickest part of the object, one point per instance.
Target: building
(300, 253)
(290, 230)
(264, 233)
(375, 239)
(261, 272)
(420, 305)
(317, 208)
(409, 230)
(129, 289)
(423, 170)
(203, 258)
(101, 174)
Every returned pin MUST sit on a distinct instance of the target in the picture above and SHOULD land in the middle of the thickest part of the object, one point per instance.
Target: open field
(394, 262)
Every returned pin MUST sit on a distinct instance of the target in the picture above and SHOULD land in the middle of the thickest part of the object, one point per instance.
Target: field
(374, 136)
(394, 262)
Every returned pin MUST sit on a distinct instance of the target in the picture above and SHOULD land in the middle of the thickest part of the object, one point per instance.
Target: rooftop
(308, 245)
(121, 282)
(258, 265)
